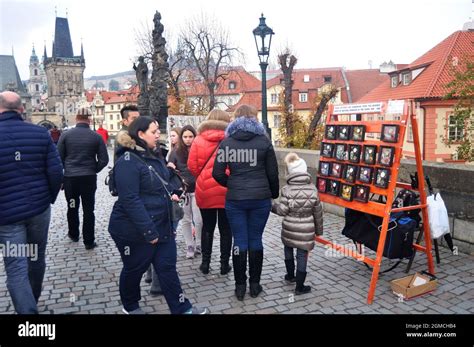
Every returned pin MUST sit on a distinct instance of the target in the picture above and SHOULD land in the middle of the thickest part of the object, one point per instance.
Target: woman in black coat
(253, 181)
(140, 222)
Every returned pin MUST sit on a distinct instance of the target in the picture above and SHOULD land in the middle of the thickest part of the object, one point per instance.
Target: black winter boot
(290, 271)
(155, 289)
(148, 277)
(225, 267)
(206, 242)
(300, 287)
(255, 270)
(239, 260)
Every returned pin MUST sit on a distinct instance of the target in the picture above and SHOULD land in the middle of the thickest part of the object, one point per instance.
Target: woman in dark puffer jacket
(140, 221)
(253, 181)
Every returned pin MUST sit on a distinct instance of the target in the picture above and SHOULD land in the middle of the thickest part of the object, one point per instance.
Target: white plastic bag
(437, 216)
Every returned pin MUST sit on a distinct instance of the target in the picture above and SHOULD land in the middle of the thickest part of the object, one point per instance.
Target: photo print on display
(389, 133)
(324, 168)
(361, 193)
(341, 151)
(358, 133)
(365, 174)
(370, 154)
(354, 153)
(386, 155)
(327, 150)
(331, 132)
(343, 132)
(382, 178)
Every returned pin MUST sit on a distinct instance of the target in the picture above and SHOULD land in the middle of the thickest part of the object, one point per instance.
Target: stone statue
(159, 77)
(142, 74)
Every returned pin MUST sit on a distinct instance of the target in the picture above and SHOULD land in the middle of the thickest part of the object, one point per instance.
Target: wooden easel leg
(378, 258)
(421, 187)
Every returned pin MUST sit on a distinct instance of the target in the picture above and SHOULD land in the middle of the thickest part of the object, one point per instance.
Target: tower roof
(9, 76)
(34, 57)
(62, 47)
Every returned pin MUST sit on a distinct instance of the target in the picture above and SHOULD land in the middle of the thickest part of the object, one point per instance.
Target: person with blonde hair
(246, 164)
(210, 195)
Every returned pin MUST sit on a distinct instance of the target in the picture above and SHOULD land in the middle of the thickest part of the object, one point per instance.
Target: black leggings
(209, 218)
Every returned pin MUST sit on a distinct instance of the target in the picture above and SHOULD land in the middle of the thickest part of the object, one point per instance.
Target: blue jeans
(301, 257)
(25, 272)
(247, 220)
(137, 258)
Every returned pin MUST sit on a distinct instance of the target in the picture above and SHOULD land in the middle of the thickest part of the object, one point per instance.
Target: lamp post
(263, 39)
(93, 112)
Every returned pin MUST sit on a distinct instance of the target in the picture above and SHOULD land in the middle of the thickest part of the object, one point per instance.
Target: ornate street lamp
(93, 108)
(263, 39)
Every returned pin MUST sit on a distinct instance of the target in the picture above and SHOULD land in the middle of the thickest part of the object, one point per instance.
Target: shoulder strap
(152, 169)
(207, 161)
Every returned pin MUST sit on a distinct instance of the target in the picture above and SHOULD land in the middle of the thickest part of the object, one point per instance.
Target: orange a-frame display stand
(376, 111)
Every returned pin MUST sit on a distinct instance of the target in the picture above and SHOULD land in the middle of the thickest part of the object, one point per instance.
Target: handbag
(365, 229)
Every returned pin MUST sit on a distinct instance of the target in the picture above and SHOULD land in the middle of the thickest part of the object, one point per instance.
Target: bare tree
(209, 51)
(287, 62)
(325, 97)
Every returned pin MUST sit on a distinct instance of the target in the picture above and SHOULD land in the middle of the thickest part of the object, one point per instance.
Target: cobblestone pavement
(80, 281)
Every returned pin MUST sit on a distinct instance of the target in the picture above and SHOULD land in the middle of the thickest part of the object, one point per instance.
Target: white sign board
(395, 106)
(180, 121)
(358, 108)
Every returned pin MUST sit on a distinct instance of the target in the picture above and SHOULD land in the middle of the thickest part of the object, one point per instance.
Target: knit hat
(295, 163)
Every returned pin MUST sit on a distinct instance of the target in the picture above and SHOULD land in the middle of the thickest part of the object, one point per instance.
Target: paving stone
(339, 284)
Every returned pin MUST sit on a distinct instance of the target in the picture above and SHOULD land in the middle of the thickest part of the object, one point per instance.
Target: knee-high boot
(240, 268)
(255, 270)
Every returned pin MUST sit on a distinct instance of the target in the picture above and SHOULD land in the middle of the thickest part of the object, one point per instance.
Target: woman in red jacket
(210, 196)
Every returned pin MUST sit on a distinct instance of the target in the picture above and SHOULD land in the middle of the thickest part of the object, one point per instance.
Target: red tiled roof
(243, 82)
(431, 83)
(316, 81)
(253, 98)
(363, 81)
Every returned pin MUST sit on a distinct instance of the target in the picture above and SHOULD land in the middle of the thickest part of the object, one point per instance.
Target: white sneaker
(137, 311)
(190, 252)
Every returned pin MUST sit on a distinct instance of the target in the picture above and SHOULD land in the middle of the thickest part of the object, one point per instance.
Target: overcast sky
(321, 33)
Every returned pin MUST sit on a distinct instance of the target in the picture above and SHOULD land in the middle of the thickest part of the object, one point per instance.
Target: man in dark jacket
(84, 154)
(129, 113)
(30, 179)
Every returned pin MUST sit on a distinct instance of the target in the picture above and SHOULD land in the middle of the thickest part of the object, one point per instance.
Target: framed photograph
(358, 133)
(343, 132)
(386, 155)
(330, 132)
(389, 133)
(336, 170)
(347, 192)
(361, 193)
(370, 154)
(341, 151)
(322, 185)
(354, 153)
(333, 187)
(382, 178)
(365, 174)
(350, 173)
(324, 168)
(327, 150)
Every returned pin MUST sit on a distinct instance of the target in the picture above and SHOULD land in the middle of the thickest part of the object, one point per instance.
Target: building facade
(37, 85)
(64, 74)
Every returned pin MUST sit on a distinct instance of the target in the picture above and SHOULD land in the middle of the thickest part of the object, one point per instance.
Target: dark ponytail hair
(183, 151)
(142, 123)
